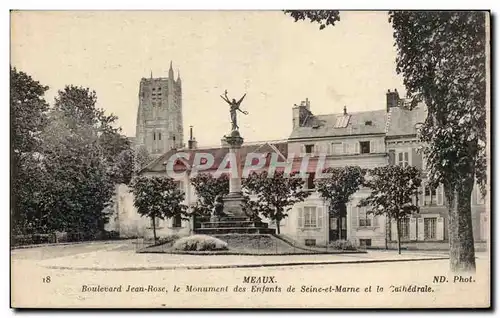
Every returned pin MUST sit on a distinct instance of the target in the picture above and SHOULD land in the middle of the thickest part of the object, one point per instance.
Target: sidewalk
(109, 260)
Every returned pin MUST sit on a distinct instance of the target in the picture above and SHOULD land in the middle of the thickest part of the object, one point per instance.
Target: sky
(277, 62)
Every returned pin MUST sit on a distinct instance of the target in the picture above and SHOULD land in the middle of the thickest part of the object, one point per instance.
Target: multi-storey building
(366, 139)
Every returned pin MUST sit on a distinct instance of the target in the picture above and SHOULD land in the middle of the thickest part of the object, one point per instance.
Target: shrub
(169, 239)
(199, 243)
(343, 245)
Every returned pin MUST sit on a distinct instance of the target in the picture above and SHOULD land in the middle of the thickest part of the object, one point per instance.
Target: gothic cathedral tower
(159, 117)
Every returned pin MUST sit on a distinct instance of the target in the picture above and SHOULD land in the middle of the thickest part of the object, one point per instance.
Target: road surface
(391, 284)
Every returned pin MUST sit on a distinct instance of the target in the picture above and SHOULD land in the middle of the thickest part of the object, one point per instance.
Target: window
(364, 146)
(368, 123)
(404, 228)
(154, 136)
(310, 181)
(430, 228)
(333, 224)
(342, 121)
(310, 217)
(309, 148)
(430, 196)
(364, 218)
(310, 242)
(177, 221)
(402, 159)
(365, 242)
(337, 148)
(159, 136)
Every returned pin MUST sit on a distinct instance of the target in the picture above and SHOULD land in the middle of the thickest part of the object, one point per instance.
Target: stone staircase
(233, 225)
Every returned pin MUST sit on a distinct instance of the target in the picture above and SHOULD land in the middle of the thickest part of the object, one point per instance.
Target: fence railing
(60, 237)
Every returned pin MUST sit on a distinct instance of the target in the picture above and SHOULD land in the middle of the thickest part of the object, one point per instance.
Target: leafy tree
(393, 189)
(158, 198)
(141, 158)
(207, 189)
(28, 118)
(273, 196)
(442, 57)
(78, 183)
(339, 186)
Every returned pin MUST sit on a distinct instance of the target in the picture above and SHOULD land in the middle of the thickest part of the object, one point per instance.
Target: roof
(356, 125)
(403, 122)
(158, 165)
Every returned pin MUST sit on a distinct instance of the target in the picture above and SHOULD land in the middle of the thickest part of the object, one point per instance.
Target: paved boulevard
(366, 284)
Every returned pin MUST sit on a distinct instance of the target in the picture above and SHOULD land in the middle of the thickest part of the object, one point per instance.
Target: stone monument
(228, 215)
(233, 202)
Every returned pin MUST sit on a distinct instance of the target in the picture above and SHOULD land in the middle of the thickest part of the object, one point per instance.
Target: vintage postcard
(250, 159)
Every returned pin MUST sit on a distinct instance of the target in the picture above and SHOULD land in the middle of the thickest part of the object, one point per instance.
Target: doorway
(338, 225)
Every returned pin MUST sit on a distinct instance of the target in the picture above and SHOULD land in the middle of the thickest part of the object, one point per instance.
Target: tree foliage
(273, 196)
(158, 198)
(442, 57)
(322, 17)
(141, 158)
(67, 159)
(340, 185)
(207, 189)
(28, 117)
(78, 181)
(393, 188)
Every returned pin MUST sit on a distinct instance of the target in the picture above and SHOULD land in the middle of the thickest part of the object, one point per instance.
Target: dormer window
(342, 121)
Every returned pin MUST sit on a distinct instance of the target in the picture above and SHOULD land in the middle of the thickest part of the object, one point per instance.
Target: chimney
(392, 99)
(192, 143)
(300, 112)
(345, 110)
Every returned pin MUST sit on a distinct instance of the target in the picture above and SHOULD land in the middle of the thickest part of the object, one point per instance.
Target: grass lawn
(248, 244)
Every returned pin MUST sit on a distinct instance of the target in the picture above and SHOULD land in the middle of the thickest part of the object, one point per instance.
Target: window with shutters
(364, 147)
(365, 219)
(177, 221)
(430, 228)
(310, 219)
(404, 228)
(402, 158)
(430, 195)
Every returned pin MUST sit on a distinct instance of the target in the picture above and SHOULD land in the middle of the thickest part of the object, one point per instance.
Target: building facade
(159, 125)
(366, 139)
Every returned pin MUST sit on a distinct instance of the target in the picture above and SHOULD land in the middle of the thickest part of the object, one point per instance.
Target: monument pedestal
(233, 202)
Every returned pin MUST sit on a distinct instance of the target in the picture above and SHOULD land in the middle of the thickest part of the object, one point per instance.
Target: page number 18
(46, 279)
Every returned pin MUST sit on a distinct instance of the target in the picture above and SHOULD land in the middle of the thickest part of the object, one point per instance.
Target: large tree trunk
(278, 226)
(462, 255)
(399, 235)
